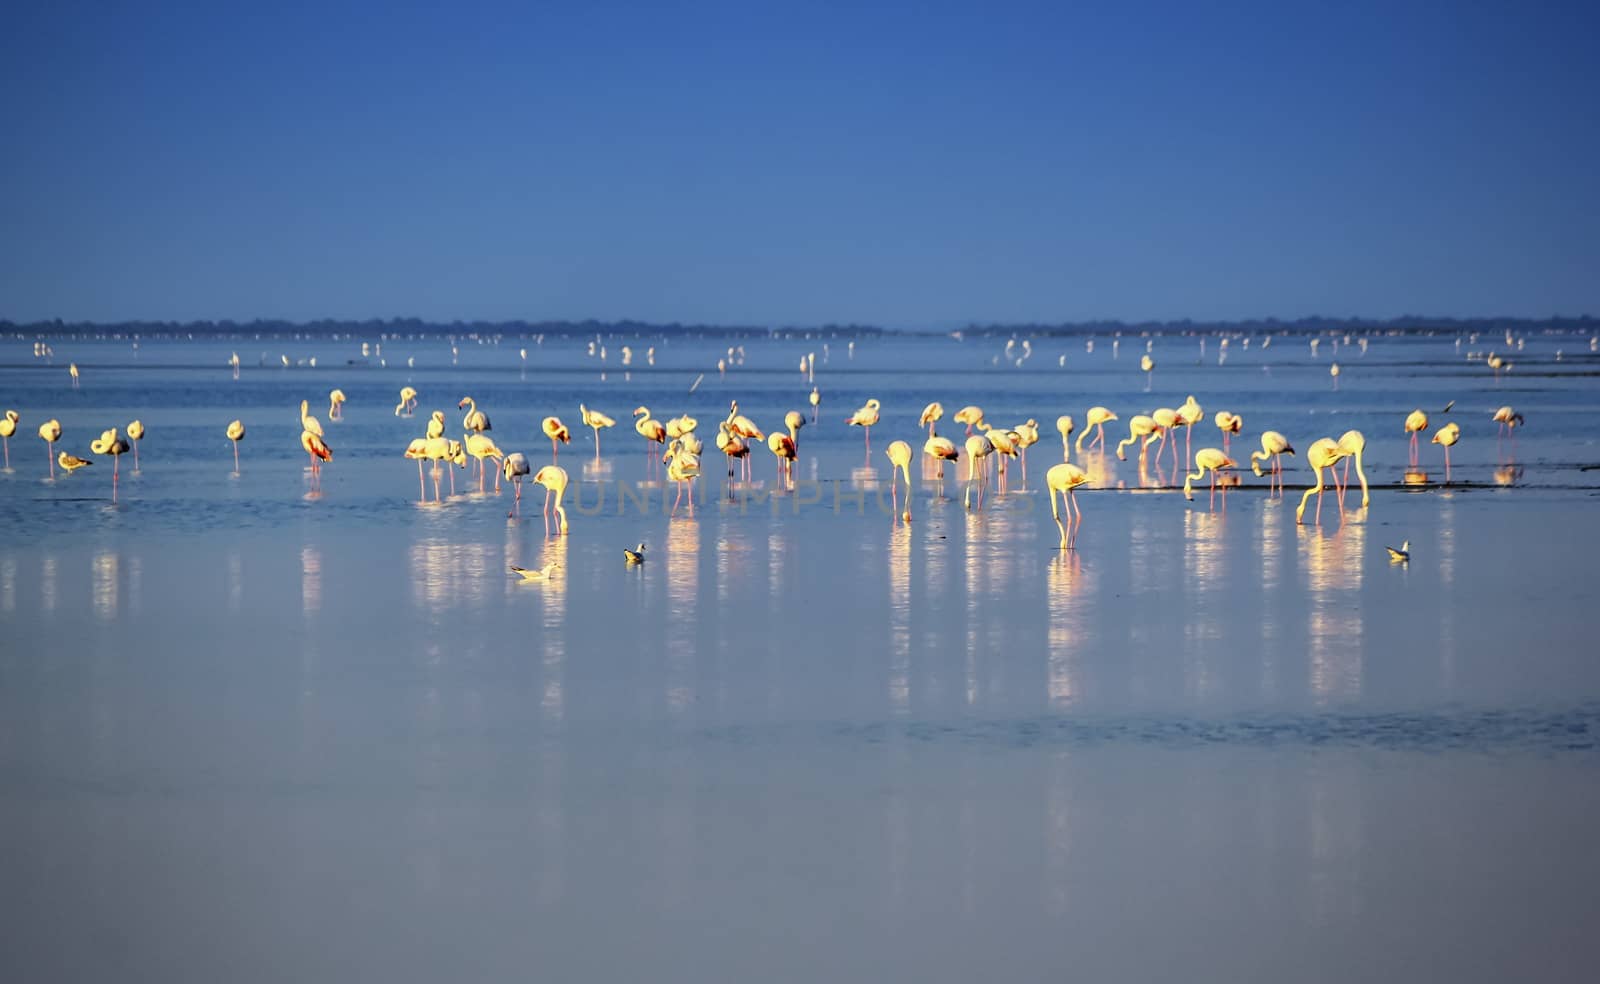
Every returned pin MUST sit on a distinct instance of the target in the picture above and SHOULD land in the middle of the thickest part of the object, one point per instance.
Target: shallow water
(257, 729)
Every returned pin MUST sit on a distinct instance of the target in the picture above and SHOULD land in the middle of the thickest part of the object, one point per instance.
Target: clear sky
(775, 163)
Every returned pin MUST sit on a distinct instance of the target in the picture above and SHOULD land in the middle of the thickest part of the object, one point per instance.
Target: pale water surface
(255, 730)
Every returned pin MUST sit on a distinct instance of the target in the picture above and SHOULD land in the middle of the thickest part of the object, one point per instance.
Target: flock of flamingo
(672, 444)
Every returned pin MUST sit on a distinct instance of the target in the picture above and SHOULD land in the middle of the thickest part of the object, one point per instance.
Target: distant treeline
(378, 327)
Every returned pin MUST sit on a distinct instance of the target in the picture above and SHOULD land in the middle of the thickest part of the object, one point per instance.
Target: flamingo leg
(236, 457)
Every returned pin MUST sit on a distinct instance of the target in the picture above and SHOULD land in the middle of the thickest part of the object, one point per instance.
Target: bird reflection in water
(1070, 594)
(553, 651)
(1334, 566)
(683, 587)
(235, 581)
(310, 579)
(1508, 474)
(1415, 476)
(8, 583)
(105, 585)
(1205, 577)
(49, 589)
(900, 619)
(447, 575)
(1269, 540)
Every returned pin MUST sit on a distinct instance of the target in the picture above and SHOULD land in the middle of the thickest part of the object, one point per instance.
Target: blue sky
(908, 165)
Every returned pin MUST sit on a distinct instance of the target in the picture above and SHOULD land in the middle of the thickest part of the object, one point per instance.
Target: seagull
(1401, 555)
(634, 556)
(542, 574)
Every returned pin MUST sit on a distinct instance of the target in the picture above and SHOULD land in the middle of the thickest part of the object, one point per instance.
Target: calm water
(251, 729)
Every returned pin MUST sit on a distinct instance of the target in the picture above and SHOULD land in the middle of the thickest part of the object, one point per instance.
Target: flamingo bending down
(1065, 427)
(1323, 453)
(336, 404)
(978, 448)
(1064, 478)
(1508, 419)
(899, 454)
(482, 447)
(236, 434)
(1140, 427)
(1097, 417)
(865, 417)
(1207, 460)
(554, 480)
(930, 414)
(408, 402)
(1353, 443)
(1229, 424)
(1273, 444)
(940, 449)
(1187, 416)
(682, 471)
(972, 416)
(1027, 434)
(515, 467)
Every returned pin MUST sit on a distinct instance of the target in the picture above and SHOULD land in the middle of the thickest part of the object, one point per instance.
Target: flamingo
(1416, 423)
(542, 574)
(782, 445)
(1333, 371)
(336, 405)
(1140, 427)
(436, 425)
(515, 468)
(595, 420)
(1064, 478)
(816, 399)
(473, 420)
(1353, 443)
(50, 430)
(794, 420)
(899, 454)
(236, 434)
(1187, 416)
(1027, 436)
(482, 447)
(72, 370)
(1229, 424)
(931, 413)
(554, 480)
(8, 427)
(1207, 460)
(1065, 426)
(731, 445)
(1508, 419)
(309, 423)
(1166, 418)
(556, 431)
(1323, 453)
(1273, 444)
(972, 416)
(317, 449)
(941, 450)
(978, 448)
(1148, 365)
(1005, 442)
(71, 462)
(1447, 436)
(1097, 417)
(743, 429)
(653, 431)
(418, 449)
(135, 434)
(110, 443)
(682, 471)
(865, 417)
(408, 402)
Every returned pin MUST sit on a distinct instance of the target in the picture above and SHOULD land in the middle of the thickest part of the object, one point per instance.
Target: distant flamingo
(931, 414)
(1097, 417)
(336, 405)
(1508, 419)
(899, 454)
(1027, 436)
(236, 434)
(408, 402)
(554, 480)
(1065, 478)
(782, 446)
(1187, 416)
(1148, 365)
(1229, 424)
(653, 432)
(110, 443)
(816, 400)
